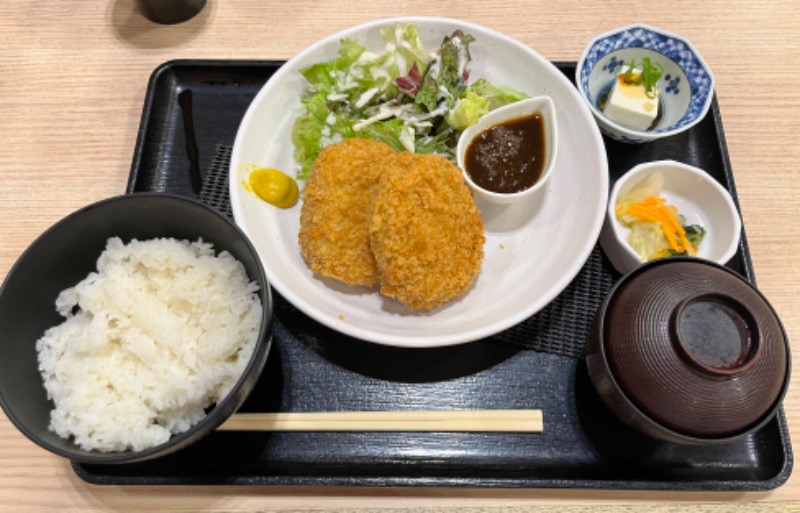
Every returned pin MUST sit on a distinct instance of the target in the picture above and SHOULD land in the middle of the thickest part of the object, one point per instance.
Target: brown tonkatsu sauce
(508, 157)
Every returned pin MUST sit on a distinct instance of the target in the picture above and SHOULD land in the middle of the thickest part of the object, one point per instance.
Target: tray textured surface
(189, 122)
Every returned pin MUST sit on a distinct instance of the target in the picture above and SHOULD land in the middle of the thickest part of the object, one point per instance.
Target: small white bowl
(698, 197)
(522, 108)
(686, 86)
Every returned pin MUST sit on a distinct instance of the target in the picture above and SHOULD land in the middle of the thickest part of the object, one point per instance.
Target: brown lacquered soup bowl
(685, 350)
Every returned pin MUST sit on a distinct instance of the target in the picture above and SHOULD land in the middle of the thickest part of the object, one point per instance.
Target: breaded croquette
(425, 231)
(334, 238)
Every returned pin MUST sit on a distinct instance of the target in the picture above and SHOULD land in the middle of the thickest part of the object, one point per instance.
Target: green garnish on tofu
(648, 75)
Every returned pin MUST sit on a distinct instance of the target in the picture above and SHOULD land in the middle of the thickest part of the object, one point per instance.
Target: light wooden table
(72, 82)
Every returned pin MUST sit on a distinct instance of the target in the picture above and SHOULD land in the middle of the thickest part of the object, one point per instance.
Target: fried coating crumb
(425, 231)
(334, 237)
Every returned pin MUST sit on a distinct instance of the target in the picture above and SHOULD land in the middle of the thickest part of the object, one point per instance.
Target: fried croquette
(334, 237)
(425, 231)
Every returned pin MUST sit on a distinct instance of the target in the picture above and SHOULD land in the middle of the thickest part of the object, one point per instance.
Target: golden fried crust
(334, 238)
(425, 231)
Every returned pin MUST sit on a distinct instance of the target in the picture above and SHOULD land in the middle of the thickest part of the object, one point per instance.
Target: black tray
(190, 118)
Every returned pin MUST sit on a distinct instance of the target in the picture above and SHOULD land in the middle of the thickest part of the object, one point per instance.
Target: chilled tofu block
(630, 106)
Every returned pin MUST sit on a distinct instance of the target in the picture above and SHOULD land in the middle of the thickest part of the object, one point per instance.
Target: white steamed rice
(162, 330)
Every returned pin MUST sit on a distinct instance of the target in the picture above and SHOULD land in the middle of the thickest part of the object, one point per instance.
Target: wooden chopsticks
(520, 421)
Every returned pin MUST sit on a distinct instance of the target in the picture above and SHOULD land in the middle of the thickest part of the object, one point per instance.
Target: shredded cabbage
(406, 96)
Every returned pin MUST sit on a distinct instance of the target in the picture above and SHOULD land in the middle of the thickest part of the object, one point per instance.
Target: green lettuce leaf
(467, 110)
(323, 76)
(497, 96)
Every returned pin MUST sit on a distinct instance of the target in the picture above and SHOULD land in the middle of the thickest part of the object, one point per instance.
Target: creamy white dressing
(407, 138)
(463, 60)
(367, 57)
(366, 97)
(434, 69)
(385, 112)
(406, 45)
(346, 85)
(421, 120)
(381, 72)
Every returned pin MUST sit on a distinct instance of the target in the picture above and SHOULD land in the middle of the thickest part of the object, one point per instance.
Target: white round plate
(531, 254)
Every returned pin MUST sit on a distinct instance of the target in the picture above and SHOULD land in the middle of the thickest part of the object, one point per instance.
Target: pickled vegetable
(657, 229)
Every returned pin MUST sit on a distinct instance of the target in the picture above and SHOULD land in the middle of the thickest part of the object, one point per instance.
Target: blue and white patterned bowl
(687, 85)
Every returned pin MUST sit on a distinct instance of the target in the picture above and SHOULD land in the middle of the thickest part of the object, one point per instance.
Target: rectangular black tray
(191, 114)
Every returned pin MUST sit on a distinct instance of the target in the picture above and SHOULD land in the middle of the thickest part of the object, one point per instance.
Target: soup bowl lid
(695, 347)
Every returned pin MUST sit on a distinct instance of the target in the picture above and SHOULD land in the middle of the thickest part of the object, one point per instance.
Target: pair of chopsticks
(519, 421)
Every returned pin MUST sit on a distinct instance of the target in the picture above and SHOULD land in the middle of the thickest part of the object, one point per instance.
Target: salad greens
(406, 97)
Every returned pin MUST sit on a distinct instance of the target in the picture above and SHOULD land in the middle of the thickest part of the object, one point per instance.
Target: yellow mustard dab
(272, 186)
